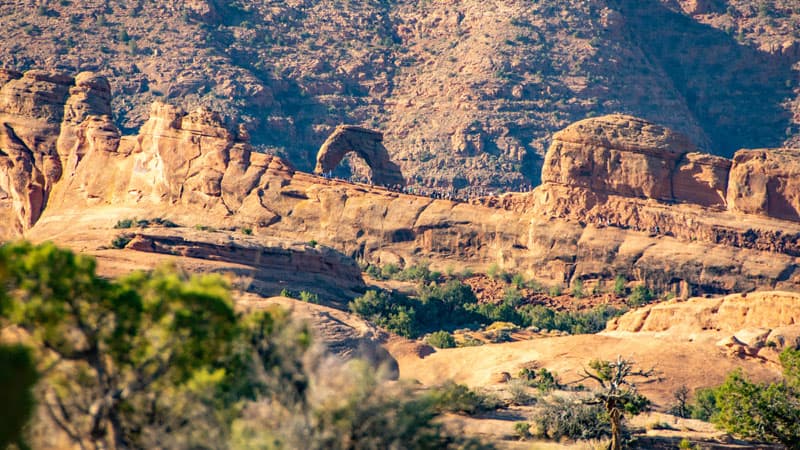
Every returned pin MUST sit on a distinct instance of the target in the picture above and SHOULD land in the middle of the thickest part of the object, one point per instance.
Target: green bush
(309, 297)
(374, 272)
(619, 286)
(640, 296)
(418, 272)
(769, 412)
(124, 223)
(441, 339)
(494, 271)
(389, 270)
(577, 289)
(121, 240)
(555, 291)
(522, 430)
(588, 322)
(457, 398)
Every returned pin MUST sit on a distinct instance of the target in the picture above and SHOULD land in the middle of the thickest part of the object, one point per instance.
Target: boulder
(766, 182)
(616, 154)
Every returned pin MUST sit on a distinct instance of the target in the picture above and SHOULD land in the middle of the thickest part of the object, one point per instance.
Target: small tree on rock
(618, 392)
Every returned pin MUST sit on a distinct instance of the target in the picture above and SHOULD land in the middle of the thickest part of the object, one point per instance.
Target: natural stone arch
(365, 143)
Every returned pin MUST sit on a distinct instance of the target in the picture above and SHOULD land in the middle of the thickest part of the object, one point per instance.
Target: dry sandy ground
(694, 364)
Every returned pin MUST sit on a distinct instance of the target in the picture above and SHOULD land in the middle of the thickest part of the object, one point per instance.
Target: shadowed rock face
(365, 143)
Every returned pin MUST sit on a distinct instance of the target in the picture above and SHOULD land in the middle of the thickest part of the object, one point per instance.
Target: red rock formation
(701, 179)
(766, 182)
(616, 154)
(607, 205)
(365, 143)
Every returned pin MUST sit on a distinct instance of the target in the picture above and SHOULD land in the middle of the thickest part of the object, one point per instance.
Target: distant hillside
(468, 92)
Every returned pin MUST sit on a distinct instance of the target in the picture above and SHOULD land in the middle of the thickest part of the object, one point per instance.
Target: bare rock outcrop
(766, 182)
(701, 179)
(754, 325)
(648, 220)
(365, 143)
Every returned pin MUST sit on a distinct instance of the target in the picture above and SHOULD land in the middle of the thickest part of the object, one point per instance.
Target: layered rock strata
(194, 170)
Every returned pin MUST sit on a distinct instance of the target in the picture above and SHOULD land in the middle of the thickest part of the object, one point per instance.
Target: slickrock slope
(194, 170)
(694, 342)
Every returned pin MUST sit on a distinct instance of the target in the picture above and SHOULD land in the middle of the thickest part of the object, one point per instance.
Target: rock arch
(365, 143)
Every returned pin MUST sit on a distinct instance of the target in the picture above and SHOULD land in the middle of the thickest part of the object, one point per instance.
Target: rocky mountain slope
(467, 93)
(620, 196)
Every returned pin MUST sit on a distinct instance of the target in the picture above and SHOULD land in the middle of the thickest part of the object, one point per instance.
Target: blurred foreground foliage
(161, 360)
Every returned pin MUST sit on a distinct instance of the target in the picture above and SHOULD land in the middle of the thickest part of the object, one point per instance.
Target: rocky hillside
(620, 196)
(467, 93)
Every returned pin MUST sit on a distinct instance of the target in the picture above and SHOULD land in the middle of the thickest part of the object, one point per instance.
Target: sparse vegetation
(211, 378)
(640, 296)
(769, 412)
(561, 417)
(121, 240)
(457, 398)
(577, 289)
(617, 381)
(441, 339)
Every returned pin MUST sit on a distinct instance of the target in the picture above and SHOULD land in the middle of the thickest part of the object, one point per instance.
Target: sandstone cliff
(466, 92)
(623, 171)
(191, 168)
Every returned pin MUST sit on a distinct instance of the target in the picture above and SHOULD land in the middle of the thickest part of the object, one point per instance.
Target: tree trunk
(615, 436)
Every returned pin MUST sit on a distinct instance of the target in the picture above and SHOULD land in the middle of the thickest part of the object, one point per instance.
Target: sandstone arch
(365, 143)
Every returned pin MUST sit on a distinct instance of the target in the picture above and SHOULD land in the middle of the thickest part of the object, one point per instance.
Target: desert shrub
(686, 444)
(391, 311)
(619, 286)
(457, 398)
(494, 271)
(640, 296)
(166, 223)
(373, 271)
(522, 430)
(418, 272)
(289, 294)
(704, 405)
(121, 240)
(309, 297)
(246, 231)
(518, 281)
(554, 291)
(441, 339)
(389, 270)
(124, 223)
(769, 412)
(680, 406)
(591, 321)
(559, 418)
(577, 289)
(501, 312)
(518, 391)
(312, 243)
